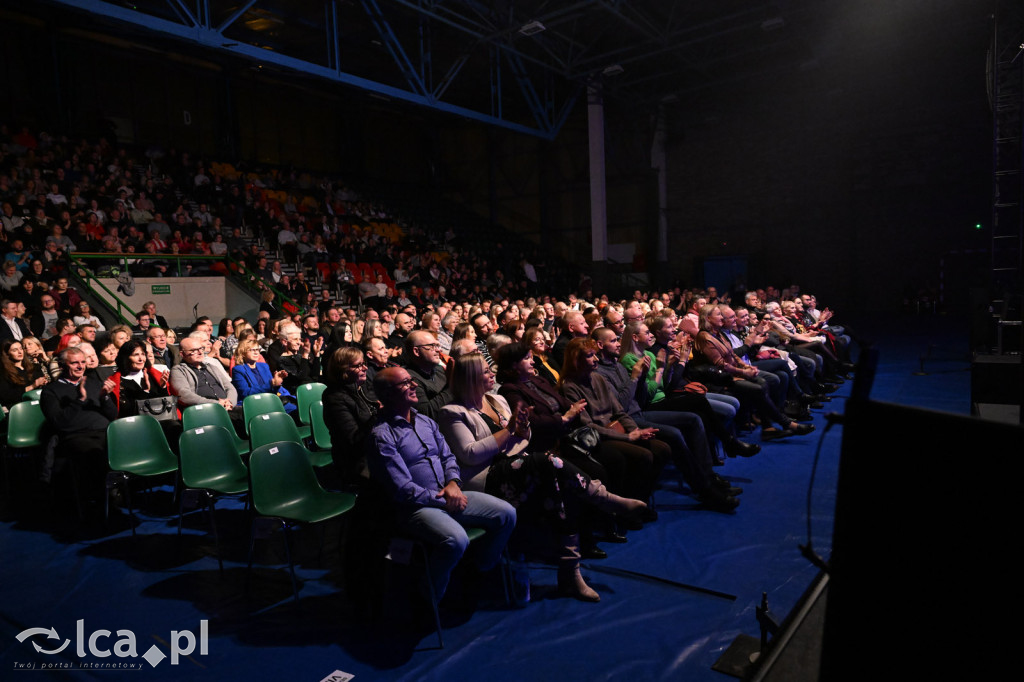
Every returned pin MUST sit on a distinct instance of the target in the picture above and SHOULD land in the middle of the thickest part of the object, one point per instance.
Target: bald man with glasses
(422, 360)
(198, 380)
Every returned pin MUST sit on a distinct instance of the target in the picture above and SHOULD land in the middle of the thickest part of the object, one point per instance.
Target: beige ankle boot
(611, 503)
(570, 581)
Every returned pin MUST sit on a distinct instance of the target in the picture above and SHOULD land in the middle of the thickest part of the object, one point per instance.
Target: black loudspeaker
(996, 379)
(925, 564)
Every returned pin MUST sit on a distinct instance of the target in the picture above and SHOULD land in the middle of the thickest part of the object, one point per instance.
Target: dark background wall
(860, 174)
(856, 176)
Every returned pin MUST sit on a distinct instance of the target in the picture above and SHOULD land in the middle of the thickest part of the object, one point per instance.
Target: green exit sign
(161, 288)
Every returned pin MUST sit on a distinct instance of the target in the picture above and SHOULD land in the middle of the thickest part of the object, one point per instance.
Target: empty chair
(321, 434)
(25, 426)
(260, 403)
(210, 463)
(307, 394)
(284, 488)
(136, 448)
(213, 414)
(278, 426)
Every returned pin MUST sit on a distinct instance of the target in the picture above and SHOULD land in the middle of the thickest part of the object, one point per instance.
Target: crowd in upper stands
(463, 389)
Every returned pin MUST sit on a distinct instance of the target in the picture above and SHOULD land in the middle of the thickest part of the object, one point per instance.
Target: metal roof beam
(213, 39)
(245, 7)
(394, 47)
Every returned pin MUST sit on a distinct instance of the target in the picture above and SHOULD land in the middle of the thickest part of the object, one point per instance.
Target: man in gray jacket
(197, 379)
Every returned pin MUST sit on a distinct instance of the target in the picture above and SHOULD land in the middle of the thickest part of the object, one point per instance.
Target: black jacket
(350, 415)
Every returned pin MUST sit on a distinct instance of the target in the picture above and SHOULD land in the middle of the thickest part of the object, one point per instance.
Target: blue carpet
(648, 626)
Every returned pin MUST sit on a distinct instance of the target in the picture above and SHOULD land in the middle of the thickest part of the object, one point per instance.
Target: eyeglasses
(192, 351)
(435, 346)
(404, 384)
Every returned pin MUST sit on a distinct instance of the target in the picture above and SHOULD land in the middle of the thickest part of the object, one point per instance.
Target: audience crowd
(458, 389)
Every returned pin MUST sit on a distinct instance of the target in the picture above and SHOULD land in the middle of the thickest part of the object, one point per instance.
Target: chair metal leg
(433, 597)
(181, 511)
(128, 501)
(113, 479)
(211, 502)
(252, 546)
(291, 564)
(505, 564)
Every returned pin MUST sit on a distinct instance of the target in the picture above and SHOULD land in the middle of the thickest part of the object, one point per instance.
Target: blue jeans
(725, 406)
(446, 535)
(685, 433)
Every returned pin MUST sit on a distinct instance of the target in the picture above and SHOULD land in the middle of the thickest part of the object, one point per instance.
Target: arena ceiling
(520, 64)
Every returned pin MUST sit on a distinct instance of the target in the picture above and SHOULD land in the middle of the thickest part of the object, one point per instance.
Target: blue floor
(648, 626)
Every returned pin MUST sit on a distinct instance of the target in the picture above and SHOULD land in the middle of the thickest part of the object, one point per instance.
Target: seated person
(165, 355)
(413, 462)
(136, 379)
(422, 355)
(750, 388)
(299, 358)
(251, 375)
(491, 441)
(633, 455)
(18, 373)
(198, 380)
(349, 412)
(83, 315)
(78, 409)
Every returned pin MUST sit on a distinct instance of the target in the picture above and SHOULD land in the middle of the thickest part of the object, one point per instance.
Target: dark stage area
(650, 624)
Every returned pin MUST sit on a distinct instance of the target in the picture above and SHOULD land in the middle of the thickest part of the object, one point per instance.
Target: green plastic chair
(307, 394)
(321, 434)
(273, 427)
(259, 403)
(211, 464)
(32, 395)
(25, 424)
(284, 488)
(213, 414)
(264, 403)
(136, 448)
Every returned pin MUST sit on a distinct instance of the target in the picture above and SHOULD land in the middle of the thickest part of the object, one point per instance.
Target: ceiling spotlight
(531, 28)
(773, 24)
(613, 70)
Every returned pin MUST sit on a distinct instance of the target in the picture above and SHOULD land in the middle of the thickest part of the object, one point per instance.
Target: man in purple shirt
(413, 461)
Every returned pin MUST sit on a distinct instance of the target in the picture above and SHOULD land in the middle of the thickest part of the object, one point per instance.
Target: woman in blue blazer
(251, 375)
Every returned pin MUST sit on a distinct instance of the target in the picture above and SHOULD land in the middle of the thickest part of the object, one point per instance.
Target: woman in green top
(665, 368)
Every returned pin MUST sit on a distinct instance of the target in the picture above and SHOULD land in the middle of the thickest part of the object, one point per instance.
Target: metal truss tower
(1006, 71)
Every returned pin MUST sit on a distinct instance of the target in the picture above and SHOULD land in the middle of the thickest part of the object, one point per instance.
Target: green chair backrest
(32, 395)
(137, 445)
(260, 403)
(271, 428)
(213, 414)
(283, 480)
(25, 425)
(321, 434)
(209, 460)
(307, 394)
